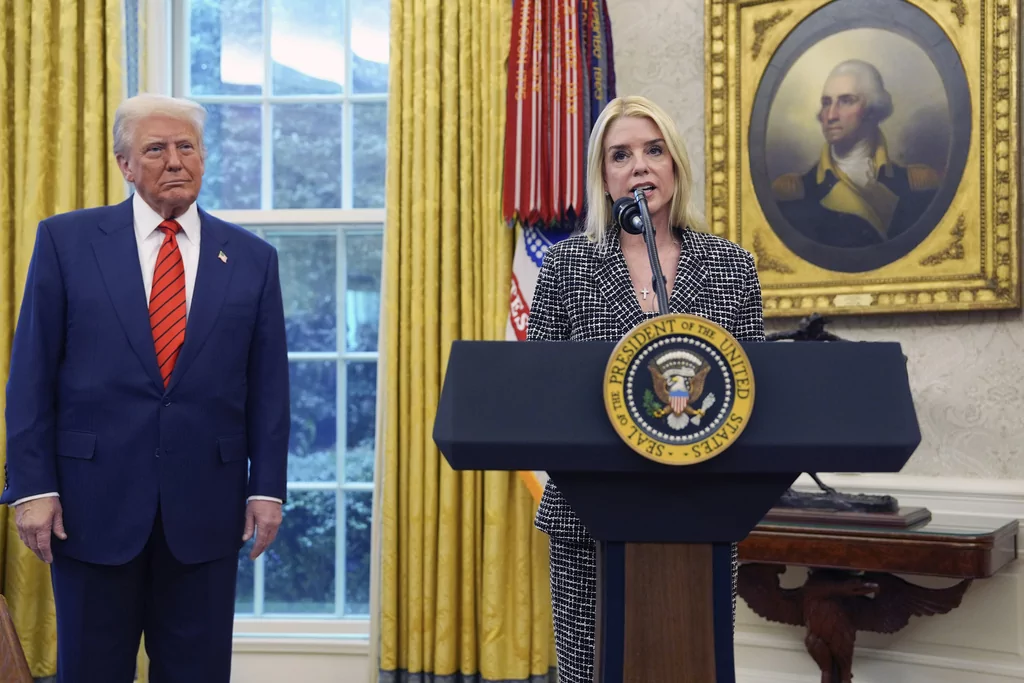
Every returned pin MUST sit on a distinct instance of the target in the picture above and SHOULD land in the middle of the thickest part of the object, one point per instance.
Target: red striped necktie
(167, 301)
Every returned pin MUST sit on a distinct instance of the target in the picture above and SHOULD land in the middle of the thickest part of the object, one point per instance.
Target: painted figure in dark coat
(855, 195)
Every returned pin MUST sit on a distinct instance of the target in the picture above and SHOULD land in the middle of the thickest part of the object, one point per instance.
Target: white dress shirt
(149, 237)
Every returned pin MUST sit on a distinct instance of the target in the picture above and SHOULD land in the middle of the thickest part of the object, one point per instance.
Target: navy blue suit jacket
(87, 413)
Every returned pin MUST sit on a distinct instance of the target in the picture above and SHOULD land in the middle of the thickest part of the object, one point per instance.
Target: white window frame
(295, 634)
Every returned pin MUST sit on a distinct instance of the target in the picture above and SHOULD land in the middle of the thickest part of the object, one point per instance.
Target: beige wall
(967, 370)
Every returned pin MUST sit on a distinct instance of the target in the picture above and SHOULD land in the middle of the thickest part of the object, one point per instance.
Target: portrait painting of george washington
(866, 152)
(861, 141)
(856, 194)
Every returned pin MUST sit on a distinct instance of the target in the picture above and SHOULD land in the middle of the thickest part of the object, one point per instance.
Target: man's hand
(37, 520)
(265, 517)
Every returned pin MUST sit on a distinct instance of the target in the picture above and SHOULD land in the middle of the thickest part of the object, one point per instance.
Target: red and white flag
(560, 77)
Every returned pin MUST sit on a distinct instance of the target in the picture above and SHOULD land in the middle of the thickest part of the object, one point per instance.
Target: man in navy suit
(148, 411)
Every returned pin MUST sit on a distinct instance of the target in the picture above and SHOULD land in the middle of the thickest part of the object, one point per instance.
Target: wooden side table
(851, 584)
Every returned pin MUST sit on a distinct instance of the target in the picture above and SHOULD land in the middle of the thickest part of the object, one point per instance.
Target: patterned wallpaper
(966, 370)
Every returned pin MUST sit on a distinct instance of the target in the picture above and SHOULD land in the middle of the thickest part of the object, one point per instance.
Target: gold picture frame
(867, 190)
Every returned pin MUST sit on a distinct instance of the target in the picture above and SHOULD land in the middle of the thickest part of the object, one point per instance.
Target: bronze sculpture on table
(833, 605)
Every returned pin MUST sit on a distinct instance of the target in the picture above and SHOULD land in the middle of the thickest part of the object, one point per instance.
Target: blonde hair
(682, 212)
(141, 106)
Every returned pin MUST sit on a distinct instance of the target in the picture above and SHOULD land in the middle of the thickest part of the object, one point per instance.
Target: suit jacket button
(167, 403)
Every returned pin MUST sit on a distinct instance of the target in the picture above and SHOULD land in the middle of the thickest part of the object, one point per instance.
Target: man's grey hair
(870, 86)
(139, 107)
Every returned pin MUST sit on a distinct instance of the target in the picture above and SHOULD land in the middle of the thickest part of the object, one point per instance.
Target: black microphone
(630, 214)
(626, 214)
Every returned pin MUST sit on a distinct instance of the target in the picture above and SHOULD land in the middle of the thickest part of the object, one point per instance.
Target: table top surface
(954, 527)
(946, 545)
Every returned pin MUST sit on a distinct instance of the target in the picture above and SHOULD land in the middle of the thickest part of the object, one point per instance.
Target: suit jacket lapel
(212, 278)
(613, 281)
(118, 255)
(691, 274)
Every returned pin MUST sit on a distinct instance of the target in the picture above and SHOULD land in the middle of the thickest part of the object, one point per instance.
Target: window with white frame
(296, 94)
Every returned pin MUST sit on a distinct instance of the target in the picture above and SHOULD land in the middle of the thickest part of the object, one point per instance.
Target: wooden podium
(664, 533)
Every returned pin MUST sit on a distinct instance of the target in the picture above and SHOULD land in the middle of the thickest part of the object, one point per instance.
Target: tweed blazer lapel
(616, 287)
(691, 274)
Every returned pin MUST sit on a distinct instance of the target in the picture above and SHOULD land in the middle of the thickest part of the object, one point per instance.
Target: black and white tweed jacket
(584, 293)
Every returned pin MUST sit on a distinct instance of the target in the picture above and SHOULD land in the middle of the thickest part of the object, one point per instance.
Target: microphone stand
(652, 252)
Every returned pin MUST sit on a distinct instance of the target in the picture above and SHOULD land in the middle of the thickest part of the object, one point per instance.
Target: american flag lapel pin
(223, 257)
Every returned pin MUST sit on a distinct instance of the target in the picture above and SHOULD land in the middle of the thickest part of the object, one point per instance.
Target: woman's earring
(608, 196)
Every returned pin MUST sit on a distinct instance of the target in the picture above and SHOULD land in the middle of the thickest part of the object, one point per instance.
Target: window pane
(309, 284)
(360, 425)
(300, 563)
(362, 290)
(307, 156)
(226, 47)
(307, 46)
(370, 28)
(358, 515)
(313, 440)
(244, 582)
(131, 47)
(231, 179)
(369, 153)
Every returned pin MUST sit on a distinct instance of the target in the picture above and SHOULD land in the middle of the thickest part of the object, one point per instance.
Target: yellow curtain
(464, 575)
(61, 77)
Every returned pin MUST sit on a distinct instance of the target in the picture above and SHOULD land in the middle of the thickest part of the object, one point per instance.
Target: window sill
(302, 643)
(302, 636)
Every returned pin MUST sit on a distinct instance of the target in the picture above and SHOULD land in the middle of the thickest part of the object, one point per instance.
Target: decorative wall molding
(755, 676)
(957, 495)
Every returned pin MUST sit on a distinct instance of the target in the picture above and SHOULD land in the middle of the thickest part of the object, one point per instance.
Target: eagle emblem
(678, 377)
(678, 389)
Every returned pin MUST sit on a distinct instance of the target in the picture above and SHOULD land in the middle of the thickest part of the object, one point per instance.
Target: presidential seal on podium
(678, 389)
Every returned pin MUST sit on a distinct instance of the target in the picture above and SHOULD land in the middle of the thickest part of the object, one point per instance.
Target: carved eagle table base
(833, 605)
(851, 584)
